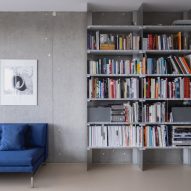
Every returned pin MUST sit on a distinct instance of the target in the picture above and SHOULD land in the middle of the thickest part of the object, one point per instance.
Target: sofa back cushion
(13, 137)
(35, 135)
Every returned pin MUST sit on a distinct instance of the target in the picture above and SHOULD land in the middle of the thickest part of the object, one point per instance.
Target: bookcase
(138, 76)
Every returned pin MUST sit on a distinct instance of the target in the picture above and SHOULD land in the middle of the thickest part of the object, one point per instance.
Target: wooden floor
(74, 177)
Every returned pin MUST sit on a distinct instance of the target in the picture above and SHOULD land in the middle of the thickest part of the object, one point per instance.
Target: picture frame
(18, 82)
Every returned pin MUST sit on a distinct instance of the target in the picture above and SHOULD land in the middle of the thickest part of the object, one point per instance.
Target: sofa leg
(32, 181)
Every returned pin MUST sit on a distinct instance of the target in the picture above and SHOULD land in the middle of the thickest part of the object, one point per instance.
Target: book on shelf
(174, 41)
(115, 136)
(126, 112)
(157, 136)
(154, 113)
(115, 66)
(114, 88)
(168, 65)
(111, 41)
(178, 87)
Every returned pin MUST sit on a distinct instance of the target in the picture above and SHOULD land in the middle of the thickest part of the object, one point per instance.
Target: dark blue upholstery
(34, 154)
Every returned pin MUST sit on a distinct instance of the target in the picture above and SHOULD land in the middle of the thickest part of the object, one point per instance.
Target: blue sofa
(32, 156)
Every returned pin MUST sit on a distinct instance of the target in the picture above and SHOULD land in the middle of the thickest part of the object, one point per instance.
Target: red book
(186, 88)
(186, 64)
(150, 39)
(112, 88)
(149, 88)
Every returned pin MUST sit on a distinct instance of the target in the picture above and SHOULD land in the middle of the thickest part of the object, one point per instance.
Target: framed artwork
(18, 82)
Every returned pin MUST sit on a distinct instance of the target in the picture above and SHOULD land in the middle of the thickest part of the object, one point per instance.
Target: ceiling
(95, 5)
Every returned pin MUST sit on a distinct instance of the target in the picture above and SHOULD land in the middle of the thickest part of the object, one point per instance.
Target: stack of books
(157, 136)
(181, 136)
(109, 41)
(115, 66)
(118, 113)
(114, 88)
(163, 41)
(125, 113)
(115, 136)
(155, 112)
(167, 88)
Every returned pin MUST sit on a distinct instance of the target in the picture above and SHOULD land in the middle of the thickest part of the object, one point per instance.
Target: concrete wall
(59, 44)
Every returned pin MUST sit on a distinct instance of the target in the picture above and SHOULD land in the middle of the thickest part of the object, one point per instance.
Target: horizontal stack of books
(181, 136)
(118, 113)
(155, 112)
(167, 88)
(103, 41)
(164, 41)
(157, 136)
(114, 88)
(115, 66)
(115, 136)
(125, 113)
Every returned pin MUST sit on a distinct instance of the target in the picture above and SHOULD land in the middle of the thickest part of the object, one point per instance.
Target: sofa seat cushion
(21, 157)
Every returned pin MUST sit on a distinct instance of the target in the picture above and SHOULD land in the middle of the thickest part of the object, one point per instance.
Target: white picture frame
(18, 84)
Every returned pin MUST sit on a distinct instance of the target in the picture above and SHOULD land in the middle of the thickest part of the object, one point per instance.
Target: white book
(90, 136)
(97, 40)
(118, 89)
(137, 135)
(117, 67)
(104, 136)
(120, 136)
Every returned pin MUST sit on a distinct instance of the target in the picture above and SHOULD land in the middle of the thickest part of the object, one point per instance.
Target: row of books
(155, 112)
(163, 41)
(101, 41)
(115, 136)
(113, 88)
(125, 112)
(115, 66)
(162, 65)
(169, 65)
(157, 136)
(167, 88)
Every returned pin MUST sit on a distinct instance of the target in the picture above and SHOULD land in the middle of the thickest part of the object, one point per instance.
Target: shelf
(138, 99)
(114, 52)
(133, 52)
(165, 99)
(167, 52)
(113, 99)
(166, 75)
(143, 148)
(115, 28)
(168, 147)
(145, 28)
(120, 147)
(138, 75)
(111, 123)
(138, 123)
(113, 75)
(166, 28)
